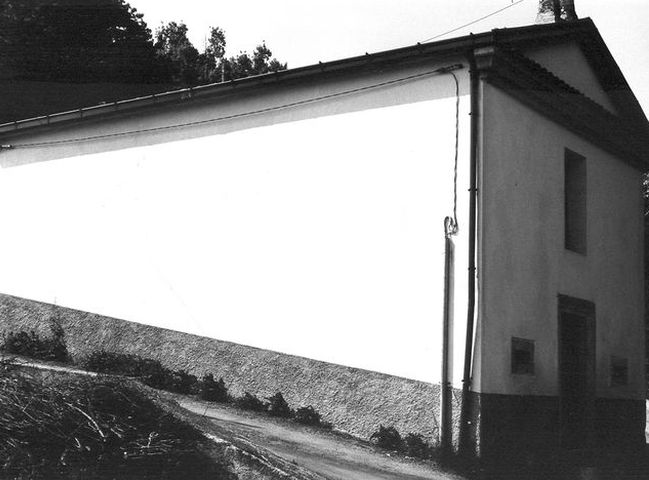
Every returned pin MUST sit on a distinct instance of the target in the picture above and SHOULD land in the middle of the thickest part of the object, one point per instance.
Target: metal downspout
(465, 420)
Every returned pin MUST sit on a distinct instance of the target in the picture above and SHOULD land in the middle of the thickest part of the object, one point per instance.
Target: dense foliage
(76, 41)
(388, 438)
(183, 64)
(212, 390)
(151, 372)
(277, 406)
(412, 445)
(250, 402)
(310, 416)
(109, 41)
(33, 345)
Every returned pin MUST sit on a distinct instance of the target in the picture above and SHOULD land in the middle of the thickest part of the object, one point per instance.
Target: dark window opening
(619, 371)
(575, 202)
(522, 356)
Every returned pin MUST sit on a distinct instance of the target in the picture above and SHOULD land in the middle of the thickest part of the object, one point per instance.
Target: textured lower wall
(354, 400)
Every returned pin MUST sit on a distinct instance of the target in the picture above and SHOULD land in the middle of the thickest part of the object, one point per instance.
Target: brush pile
(94, 428)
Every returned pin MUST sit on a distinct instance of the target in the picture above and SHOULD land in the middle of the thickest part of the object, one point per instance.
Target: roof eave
(415, 53)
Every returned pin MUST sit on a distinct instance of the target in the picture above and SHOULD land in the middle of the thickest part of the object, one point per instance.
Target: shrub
(32, 345)
(308, 416)
(277, 406)
(116, 363)
(153, 374)
(150, 372)
(213, 391)
(251, 402)
(184, 382)
(416, 446)
(22, 343)
(388, 438)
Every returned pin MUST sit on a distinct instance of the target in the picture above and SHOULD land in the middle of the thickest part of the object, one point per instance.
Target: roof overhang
(626, 135)
(531, 84)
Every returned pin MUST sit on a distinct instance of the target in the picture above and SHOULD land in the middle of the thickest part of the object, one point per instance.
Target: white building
(304, 212)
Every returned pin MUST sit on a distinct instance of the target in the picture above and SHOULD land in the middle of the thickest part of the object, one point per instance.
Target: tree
(243, 65)
(76, 41)
(186, 66)
(85, 41)
(179, 58)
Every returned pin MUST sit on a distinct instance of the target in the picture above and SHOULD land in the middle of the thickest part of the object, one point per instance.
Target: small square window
(522, 356)
(619, 371)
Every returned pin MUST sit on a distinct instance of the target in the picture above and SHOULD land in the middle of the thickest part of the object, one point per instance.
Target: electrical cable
(437, 71)
(451, 226)
(473, 21)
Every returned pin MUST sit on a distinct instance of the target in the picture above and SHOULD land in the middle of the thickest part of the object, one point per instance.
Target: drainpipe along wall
(464, 434)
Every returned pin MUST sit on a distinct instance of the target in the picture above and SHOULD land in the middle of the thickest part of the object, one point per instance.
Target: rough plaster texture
(354, 400)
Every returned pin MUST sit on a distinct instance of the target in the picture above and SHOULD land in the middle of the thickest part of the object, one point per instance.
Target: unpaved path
(328, 454)
(331, 455)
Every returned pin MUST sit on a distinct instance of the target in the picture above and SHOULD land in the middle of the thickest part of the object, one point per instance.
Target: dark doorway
(577, 373)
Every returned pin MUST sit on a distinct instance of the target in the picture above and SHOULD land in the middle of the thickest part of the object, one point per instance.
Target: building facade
(467, 212)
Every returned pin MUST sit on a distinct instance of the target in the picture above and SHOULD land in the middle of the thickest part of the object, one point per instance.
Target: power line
(473, 21)
(437, 71)
(453, 225)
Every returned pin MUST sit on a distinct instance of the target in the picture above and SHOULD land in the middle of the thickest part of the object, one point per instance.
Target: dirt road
(327, 454)
(331, 455)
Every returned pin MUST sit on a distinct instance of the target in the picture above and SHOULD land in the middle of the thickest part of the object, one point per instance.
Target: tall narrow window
(575, 202)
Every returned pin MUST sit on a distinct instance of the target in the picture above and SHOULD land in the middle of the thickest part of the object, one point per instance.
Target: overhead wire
(451, 226)
(473, 21)
(437, 71)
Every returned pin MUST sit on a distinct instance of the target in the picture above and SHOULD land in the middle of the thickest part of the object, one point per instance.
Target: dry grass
(94, 428)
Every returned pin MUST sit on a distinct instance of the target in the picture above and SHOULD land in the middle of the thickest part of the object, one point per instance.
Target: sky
(304, 32)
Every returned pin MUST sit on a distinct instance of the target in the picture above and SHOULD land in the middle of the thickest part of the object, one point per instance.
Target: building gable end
(535, 86)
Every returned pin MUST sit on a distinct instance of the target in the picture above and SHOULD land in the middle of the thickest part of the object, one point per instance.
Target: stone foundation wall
(354, 400)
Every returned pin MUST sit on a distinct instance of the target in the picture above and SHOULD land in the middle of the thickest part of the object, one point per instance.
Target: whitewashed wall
(525, 264)
(316, 232)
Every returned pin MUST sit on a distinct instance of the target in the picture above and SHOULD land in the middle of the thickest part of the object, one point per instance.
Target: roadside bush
(116, 363)
(277, 406)
(32, 345)
(150, 372)
(153, 374)
(387, 438)
(251, 402)
(213, 391)
(308, 416)
(412, 445)
(23, 343)
(184, 383)
(416, 446)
